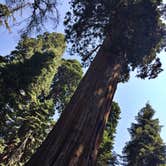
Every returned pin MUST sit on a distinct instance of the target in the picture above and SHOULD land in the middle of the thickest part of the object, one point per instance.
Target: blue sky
(131, 96)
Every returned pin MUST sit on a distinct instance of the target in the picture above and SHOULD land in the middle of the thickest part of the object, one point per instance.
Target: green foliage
(146, 147)
(30, 71)
(134, 27)
(106, 156)
(65, 82)
(34, 82)
(26, 112)
(42, 44)
(40, 11)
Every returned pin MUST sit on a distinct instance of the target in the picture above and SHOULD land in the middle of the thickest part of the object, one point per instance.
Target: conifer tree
(65, 82)
(146, 147)
(26, 79)
(106, 156)
(127, 35)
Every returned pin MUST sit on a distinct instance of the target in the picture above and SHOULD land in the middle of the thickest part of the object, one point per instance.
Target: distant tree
(127, 34)
(65, 82)
(106, 156)
(40, 11)
(26, 112)
(146, 147)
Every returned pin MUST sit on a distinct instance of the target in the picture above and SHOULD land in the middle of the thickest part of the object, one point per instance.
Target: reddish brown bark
(77, 134)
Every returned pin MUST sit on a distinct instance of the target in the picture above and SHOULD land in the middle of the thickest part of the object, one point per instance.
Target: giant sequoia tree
(146, 147)
(127, 35)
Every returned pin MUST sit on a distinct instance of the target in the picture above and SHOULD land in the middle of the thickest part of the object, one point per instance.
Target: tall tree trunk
(75, 139)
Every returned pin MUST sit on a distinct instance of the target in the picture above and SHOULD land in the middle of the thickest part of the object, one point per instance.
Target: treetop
(134, 27)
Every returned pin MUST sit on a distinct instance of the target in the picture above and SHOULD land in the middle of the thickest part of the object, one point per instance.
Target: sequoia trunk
(75, 139)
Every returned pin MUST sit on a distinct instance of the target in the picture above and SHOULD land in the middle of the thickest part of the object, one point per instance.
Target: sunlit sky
(131, 96)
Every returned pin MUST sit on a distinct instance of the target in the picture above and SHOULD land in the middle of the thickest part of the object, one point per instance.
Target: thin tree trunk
(14, 154)
(19, 151)
(75, 139)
